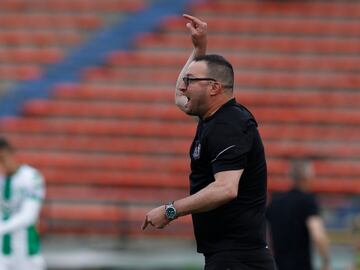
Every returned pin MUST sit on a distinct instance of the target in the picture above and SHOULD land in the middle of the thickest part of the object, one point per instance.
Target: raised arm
(198, 32)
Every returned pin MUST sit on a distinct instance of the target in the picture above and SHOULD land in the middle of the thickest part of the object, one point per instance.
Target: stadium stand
(111, 142)
(37, 33)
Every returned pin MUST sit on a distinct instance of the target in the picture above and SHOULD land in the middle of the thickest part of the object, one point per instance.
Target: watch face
(170, 213)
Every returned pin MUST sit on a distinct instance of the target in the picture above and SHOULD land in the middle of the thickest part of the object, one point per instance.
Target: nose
(182, 86)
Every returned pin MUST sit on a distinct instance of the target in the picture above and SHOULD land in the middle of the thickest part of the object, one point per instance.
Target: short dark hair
(218, 68)
(298, 167)
(5, 145)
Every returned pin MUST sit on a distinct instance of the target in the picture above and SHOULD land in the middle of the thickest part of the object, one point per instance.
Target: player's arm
(29, 209)
(319, 237)
(222, 190)
(28, 215)
(198, 31)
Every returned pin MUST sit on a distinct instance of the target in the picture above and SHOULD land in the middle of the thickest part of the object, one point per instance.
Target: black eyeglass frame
(187, 80)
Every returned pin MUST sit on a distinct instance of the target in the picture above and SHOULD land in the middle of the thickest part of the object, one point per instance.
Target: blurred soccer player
(21, 196)
(228, 168)
(295, 222)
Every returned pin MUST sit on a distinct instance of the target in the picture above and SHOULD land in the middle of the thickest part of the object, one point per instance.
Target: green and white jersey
(21, 197)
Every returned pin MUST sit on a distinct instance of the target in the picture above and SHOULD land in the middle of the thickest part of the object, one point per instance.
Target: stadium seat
(123, 110)
(98, 127)
(98, 92)
(110, 193)
(14, 72)
(272, 25)
(73, 5)
(42, 32)
(39, 38)
(71, 22)
(174, 146)
(101, 109)
(268, 79)
(286, 8)
(266, 44)
(290, 62)
(31, 55)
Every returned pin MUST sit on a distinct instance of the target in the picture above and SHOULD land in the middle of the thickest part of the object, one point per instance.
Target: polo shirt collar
(229, 103)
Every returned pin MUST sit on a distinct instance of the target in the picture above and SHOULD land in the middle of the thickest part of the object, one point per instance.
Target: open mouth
(187, 100)
(183, 100)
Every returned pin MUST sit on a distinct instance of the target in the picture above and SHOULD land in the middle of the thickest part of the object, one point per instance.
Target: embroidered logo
(197, 149)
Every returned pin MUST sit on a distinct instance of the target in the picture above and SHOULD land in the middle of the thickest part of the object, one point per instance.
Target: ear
(215, 88)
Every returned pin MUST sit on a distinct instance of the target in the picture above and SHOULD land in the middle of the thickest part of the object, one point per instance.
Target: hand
(156, 218)
(198, 31)
(326, 265)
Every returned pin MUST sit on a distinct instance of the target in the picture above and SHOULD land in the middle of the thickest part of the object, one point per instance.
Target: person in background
(228, 177)
(21, 196)
(295, 223)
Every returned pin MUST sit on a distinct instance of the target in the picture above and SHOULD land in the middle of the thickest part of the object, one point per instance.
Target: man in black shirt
(228, 169)
(295, 220)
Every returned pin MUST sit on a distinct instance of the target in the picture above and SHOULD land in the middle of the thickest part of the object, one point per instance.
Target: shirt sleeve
(228, 146)
(312, 206)
(35, 188)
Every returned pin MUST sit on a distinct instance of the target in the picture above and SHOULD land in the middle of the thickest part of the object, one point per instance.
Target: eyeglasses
(187, 80)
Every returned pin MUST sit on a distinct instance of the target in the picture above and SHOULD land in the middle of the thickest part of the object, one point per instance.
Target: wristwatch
(170, 211)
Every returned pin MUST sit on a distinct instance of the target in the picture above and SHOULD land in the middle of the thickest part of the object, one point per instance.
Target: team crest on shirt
(197, 149)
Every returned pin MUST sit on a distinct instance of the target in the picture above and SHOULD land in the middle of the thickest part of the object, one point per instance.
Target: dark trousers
(259, 259)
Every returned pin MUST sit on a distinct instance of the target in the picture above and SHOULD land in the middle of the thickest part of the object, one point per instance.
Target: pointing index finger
(192, 18)
(146, 222)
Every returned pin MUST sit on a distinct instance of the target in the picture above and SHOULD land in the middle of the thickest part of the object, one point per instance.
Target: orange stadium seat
(125, 162)
(250, 61)
(98, 127)
(170, 112)
(103, 109)
(39, 38)
(31, 55)
(165, 95)
(136, 145)
(272, 25)
(173, 146)
(73, 5)
(119, 178)
(100, 193)
(279, 131)
(107, 219)
(266, 44)
(267, 79)
(328, 9)
(40, 31)
(90, 5)
(164, 129)
(105, 92)
(25, 72)
(50, 21)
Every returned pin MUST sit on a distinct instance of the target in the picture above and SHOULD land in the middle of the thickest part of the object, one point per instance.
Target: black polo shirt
(229, 140)
(287, 215)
